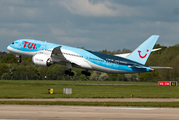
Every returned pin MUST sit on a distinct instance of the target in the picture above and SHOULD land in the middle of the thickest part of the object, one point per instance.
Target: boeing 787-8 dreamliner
(46, 54)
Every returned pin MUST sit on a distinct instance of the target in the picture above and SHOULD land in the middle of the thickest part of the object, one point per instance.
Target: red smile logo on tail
(141, 55)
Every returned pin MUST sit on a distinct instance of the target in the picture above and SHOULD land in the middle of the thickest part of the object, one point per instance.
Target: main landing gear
(86, 73)
(68, 72)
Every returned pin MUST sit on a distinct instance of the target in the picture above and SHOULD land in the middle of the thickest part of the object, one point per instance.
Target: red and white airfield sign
(167, 83)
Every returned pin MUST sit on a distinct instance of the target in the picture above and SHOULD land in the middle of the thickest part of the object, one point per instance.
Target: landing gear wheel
(86, 73)
(71, 74)
(19, 60)
(68, 72)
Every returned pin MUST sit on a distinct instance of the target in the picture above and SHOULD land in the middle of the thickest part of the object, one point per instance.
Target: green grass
(80, 89)
(75, 82)
(87, 89)
(139, 104)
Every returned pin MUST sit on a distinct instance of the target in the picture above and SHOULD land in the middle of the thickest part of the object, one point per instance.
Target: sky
(92, 24)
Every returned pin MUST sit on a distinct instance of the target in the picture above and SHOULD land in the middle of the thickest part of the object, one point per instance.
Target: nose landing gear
(19, 60)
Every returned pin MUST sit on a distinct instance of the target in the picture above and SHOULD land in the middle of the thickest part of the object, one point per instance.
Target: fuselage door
(109, 62)
(116, 63)
(19, 45)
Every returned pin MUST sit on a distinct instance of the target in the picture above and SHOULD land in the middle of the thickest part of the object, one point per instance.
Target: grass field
(85, 89)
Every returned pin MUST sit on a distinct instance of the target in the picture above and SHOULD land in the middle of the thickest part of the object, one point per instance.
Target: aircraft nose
(9, 48)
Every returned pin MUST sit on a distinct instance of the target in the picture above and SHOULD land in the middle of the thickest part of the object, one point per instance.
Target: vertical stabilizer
(142, 53)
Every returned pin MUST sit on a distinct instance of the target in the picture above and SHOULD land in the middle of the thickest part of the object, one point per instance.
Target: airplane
(46, 54)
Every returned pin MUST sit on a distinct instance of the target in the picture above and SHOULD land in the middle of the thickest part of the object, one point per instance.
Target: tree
(32, 72)
(5, 76)
(144, 77)
(3, 68)
(42, 71)
(19, 72)
(2, 55)
(104, 77)
(56, 71)
(10, 58)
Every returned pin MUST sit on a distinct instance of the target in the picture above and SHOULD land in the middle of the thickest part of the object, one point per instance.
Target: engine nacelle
(41, 60)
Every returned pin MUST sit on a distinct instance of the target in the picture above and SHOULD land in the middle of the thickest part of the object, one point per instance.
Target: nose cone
(9, 48)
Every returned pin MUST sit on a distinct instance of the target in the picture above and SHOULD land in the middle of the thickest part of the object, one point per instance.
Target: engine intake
(41, 60)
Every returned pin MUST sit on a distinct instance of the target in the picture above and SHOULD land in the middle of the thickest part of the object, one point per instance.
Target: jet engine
(41, 60)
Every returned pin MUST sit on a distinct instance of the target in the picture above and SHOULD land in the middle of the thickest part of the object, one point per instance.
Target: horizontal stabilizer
(127, 54)
(158, 67)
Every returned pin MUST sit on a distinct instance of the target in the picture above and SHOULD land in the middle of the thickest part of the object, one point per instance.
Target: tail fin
(142, 53)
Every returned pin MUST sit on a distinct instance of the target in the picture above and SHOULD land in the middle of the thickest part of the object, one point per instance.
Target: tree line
(167, 56)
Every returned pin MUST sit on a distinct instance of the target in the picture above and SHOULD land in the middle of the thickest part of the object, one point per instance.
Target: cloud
(110, 24)
(176, 10)
(73, 40)
(5, 32)
(99, 9)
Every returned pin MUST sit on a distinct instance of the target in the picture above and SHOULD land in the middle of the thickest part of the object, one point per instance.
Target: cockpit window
(13, 43)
